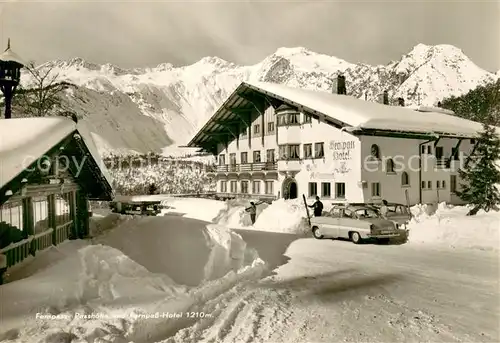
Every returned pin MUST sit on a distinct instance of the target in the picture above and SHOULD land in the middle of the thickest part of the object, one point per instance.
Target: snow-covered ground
(216, 280)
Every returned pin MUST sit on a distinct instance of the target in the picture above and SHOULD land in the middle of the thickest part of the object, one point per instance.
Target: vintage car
(354, 222)
(145, 208)
(397, 212)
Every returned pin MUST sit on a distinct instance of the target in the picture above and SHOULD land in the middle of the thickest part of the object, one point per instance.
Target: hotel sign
(341, 150)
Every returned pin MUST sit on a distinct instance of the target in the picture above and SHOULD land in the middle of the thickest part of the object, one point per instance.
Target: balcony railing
(247, 167)
(443, 163)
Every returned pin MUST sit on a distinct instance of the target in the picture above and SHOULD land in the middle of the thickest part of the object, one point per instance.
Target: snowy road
(333, 291)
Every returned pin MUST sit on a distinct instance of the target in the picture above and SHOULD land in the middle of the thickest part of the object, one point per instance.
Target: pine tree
(481, 104)
(481, 174)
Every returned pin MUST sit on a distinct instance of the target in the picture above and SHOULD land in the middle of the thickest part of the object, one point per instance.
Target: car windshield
(366, 213)
(397, 209)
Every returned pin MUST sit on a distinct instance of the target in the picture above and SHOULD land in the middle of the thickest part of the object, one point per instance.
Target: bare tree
(43, 96)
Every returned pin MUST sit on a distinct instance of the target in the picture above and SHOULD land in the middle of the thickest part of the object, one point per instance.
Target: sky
(141, 33)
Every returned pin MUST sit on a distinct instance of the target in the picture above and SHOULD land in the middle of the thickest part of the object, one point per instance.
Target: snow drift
(448, 225)
(285, 216)
(112, 288)
(195, 208)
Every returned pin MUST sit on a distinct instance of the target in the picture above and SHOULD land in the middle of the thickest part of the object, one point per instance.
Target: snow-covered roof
(24, 140)
(371, 115)
(10, 56)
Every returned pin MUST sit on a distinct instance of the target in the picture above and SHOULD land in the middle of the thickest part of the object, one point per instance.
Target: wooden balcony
(443, 163)
(247, 167)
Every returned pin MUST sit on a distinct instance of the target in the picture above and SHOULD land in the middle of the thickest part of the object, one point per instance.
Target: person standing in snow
(152, 189)
(318, 207)
(384, 209)
(253, 210)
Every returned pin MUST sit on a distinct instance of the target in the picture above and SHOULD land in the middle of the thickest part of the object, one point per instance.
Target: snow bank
(119, 291)
(448, 225)
(195, 208)
(233, 213)
(100, 224)
(187, 250)
(286, 216)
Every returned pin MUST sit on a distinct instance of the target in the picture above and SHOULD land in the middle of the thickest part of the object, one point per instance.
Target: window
(41, 213)
(453, 183)
(63, 215)
(270, 126)
(422, 149)
(289, 152)
(256, 156)
(269, 187)
(244, 186)
(438, 184)
(223, 186)
(307, 150)
(270, 155)
(12, 214)
(340, 190)
(429, 184)
(293, 118)
(390, 166)
(307, 118)
(429, 149)
(326, 189)
(376, 189)
(244, 157)
(283, 153)
(443, 184)
(234, 187)
(405, 179)
(232, 159)
(375, 151)
(439, 152)
(256, 128)
(319, 150)
(256, 187)
(282, 120)
(423, 185)
(294, 151)
(222, 160)
(313, 189)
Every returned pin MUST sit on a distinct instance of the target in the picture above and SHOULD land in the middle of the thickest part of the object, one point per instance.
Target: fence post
(52, 217)
(74, 217)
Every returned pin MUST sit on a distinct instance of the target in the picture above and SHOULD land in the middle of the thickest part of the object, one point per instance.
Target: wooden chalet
(49, 170)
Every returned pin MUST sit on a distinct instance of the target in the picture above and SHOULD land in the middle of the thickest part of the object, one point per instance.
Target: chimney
(386, 98)
(401, 102)
(339, 85)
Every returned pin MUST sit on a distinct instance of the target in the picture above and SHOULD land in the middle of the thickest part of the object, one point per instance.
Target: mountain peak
(424, 51)
(286, 51)
(214, 61)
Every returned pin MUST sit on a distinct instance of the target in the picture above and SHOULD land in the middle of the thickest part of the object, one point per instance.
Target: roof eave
(411, 134)
(192, 143)
(335, 122)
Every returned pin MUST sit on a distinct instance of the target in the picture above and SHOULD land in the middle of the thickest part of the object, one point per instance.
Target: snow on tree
(481, 173)
(43, 95)
(481, 104)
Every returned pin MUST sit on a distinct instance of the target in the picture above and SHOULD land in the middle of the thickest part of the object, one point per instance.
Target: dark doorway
(292, 190)
(289, 189)
(439, 152)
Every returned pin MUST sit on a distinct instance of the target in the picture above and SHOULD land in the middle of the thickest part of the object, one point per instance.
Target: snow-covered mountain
(148, 109)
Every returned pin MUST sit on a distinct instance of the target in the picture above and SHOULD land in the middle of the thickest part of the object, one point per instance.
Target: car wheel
(316, 233)
(356, 238)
